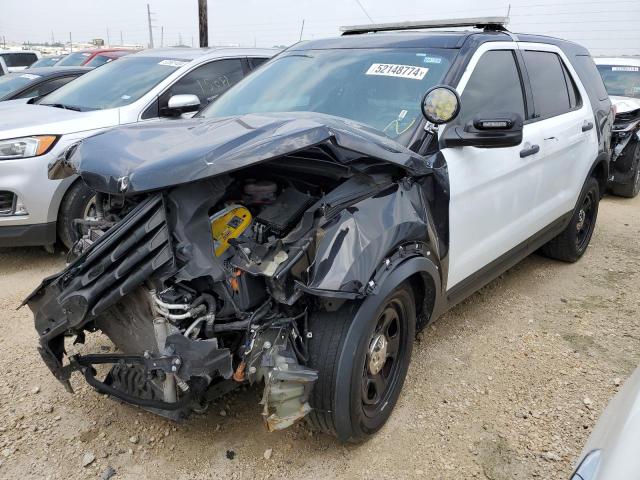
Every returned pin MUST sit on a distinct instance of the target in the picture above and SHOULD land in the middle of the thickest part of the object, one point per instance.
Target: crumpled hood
(151, 156)
(625, 104)
(26, 119)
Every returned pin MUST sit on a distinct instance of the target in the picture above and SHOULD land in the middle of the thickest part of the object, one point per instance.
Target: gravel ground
(508, 385)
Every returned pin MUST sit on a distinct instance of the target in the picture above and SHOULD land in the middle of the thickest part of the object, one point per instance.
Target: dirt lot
(506, 385)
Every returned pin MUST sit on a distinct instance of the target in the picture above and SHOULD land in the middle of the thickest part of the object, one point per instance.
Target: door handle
(586, 126)
(530, 150)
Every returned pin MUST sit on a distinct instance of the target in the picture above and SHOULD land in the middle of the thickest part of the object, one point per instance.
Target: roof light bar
(486, 23)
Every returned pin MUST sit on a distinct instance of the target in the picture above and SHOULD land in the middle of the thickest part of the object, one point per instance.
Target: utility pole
(192, 40)
(52, 39)
(121, 41)
(70, 43)
(150, 30)
(108, 40)
(180, 39)
(301, 30)
(203, 23)
(162, 36)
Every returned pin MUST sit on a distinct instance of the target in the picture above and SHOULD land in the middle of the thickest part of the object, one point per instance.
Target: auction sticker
(401, 71)
(172, 63)
(625, 69)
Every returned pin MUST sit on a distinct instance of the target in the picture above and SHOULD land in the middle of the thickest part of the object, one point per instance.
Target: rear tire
(377, 351)
(571, 244)
(74, 205)
(630, 190)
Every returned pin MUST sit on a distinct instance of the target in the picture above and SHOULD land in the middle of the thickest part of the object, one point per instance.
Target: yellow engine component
(227, 224)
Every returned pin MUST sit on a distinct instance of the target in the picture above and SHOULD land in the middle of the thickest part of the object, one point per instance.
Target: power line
(364, 11)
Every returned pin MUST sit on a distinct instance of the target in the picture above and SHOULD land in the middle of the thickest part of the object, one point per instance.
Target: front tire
(376, 350)
(75, 204)
(571, 244)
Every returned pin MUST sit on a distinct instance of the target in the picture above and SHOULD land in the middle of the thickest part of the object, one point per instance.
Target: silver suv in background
(142, 87)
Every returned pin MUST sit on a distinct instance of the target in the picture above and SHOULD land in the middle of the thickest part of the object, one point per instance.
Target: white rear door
(565, 131)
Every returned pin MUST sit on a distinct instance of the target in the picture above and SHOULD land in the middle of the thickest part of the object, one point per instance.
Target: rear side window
(494, 87)
(554, 92)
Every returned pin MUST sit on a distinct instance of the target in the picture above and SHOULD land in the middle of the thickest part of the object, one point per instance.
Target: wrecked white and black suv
(300, 230)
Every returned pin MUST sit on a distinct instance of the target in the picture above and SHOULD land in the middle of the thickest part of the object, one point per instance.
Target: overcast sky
(605, 27)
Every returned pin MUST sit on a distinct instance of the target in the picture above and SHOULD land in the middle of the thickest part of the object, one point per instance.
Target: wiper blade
(60, 105)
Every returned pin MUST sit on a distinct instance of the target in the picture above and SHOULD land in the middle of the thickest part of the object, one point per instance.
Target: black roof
(432, 39)
(47, 72)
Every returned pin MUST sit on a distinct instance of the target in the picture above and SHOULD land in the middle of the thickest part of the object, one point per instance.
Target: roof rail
(486, 23)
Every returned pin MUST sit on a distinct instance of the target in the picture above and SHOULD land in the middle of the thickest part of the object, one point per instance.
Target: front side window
(207, 81)
(494, 87)
(381, 88)
(114, 85)
(621, 80)
(551, 93)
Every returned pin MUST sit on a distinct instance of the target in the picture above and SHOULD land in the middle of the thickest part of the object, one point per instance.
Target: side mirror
(492, 130)
(179, 104)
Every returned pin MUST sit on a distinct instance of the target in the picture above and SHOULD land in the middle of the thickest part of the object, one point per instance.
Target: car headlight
(588, 467)
(26, 147)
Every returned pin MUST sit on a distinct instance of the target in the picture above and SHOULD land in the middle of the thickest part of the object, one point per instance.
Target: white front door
(490, 188)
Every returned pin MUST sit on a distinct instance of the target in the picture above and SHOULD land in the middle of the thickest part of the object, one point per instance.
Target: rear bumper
(28, 235)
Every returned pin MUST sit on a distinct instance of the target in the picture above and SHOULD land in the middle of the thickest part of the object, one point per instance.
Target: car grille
(7, 203)
(134, 249)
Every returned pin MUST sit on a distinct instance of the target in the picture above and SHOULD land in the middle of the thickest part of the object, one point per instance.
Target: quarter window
(256, 62)
(554, 91)
(494, 87)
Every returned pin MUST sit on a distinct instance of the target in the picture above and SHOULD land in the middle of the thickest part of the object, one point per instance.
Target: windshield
(382, 88)
(98, 60)
(46, 62)
(114, 85)
(15, 81)
(74, 59)
(621, 80)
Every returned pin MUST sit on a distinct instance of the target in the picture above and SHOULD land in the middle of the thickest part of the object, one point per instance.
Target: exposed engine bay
(212, 281)
(210, 284)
